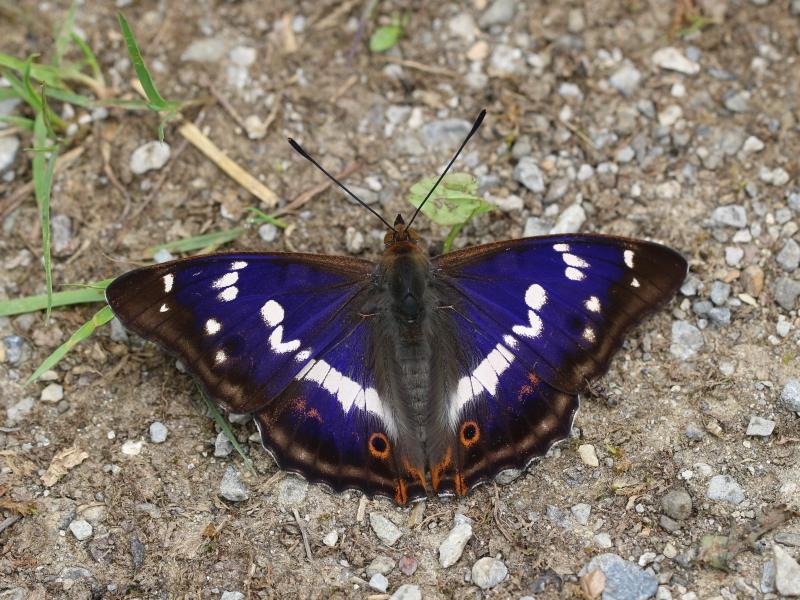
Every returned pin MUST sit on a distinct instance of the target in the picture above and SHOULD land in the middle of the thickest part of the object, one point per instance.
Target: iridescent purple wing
(537, 320)
(282, 336)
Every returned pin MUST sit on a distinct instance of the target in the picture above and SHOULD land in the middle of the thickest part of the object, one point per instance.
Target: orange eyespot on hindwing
(469, 433)
(378, 445)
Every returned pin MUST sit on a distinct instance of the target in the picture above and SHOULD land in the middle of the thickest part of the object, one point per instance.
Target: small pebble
(786, 292)
(732, 215)
(453, 546)
(331, 538)
(687, 340)
(8, 151)
(149, 157)
(752, 280)
(163, 255)
(677, 504)
(581, 513)
(52, 393)
(132, 447)
(720, 292)
(787, 572)
(354, 240)
(528, 173)
(789, 256)
(208, 50)
(407, 591)
(268, 232)
(379, 582)
(408, 565)
(726, 489)
(737, 102)
(158, 432)
(624, 580)
(790, 395)
(501, 12)
(488, 572)
(222, 445)
(603, 540)
(231, 487)
(571, 220)
(673, 59)
(760, 427)
(380, 564)
(386, 531)
(588, 455)
(81, 529)
(232, 596)
(626, 79)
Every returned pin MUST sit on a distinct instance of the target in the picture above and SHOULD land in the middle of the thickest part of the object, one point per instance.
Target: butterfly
(411, 375)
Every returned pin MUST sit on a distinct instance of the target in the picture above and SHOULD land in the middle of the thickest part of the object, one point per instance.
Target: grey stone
(222, 445)
(687, 340)
(702, 307)
(354, 240)
(725, 488)
(557, 190)
(767, 584)
(445, 133)
(581, 513)
(163, 255)
(331, 538)
(52, 393)
(733, 256)
(672, 59)
(789, 256)
(506, 476)
(528, 173)
(677, 504)
(571, 220)
(407, 591)
(786, 292)
(720, 292)
(452, 547)
(626, 79)
(206, 50)
(794, 201)
(75, 573)
(8, 151)
(790, 395)
(18, 411)
(81, 529)
(691, 285)
(625, 155)
(669, 524)
(535, 226)
(510, 203)
(737, 101)
(732, 215)
(232, 596)
(759, 426)
(720, 316)
(787, 572)
(386, 531)
(603, 540)
(501, 12)
(118, 332)
(487, 572)
(61, 232)
(149, 157)
(17, 350)
(292, 490)
(268, 232)
(379, 582)
(788, 539)
(158, 432)
(231, 487)
(16, 593)
(624, 579)
(381, 564)
(558, 517)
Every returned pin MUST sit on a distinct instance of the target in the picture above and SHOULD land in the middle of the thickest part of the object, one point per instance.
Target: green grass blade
(64, 35)
(44, 162)
(26, 82)
(123, 103)
(44, 73)
(19, 89)
(101, 317)
(93, 292)
(21, 122)
(448, 242)
(7, 93)
(138, 65)
(226, 429)
(216, 238)
(89, 58)
(69, 98)
(261, 216)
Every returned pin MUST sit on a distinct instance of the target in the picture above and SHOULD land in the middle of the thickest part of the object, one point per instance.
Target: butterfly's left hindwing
(537, 319)
(281, 336)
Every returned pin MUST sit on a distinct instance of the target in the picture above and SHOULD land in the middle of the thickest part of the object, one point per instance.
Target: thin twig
(302, 533)
(351, 81)
(9, 522)
(225, 104)
(317, 189)
(413, 64)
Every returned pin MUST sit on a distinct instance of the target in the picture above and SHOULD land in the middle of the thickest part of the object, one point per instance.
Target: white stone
(588, 455)
(407, 591)
(488, 571)
(81, 529)
(453, 546)
(670, 115)
(603, 540)
(787, 572)
(149, 157)
(386, 531)
(204, 50)
(379, 582)
(726, 489)
(158, 432)
(672, 59)
(8, 151)
(760, 427)
(52, 393)
(571, 220)
(132, 447)
(752, 144)
(331, 538)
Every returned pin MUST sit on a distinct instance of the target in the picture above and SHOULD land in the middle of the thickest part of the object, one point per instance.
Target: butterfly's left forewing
(537, 319)
(283, 336)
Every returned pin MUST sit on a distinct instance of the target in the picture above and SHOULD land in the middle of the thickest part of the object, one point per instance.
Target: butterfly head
(400, 234)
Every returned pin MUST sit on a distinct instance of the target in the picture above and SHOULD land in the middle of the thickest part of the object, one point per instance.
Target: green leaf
(89, 57)
(200, 242)
(44, 162)
(69, 97)
(101, 317)
(44, 73)
(21, 122)
(385, 37)
(93, 292)
(454, 202)
(150, 90)
(226, 429)
(261, 216)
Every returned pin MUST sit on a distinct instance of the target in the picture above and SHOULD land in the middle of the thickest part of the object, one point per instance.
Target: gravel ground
(601, 119)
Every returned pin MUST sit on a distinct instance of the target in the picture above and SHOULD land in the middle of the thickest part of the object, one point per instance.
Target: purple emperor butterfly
(412, 374)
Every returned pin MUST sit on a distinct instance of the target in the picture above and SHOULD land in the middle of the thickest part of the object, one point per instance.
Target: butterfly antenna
(475, 126)
(305, 155)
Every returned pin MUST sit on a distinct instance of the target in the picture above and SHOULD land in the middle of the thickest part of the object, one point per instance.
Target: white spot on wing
(628, 256)
(574, 274)
(228, 294)
(272, 313)
(592, 304)
(347, 393)
(212, 326)
(164, 308)
(533, 329)
(220, 357)
(317, 373)
(238, 265)
(278, 345)
(588, 334)
(561, 247)
(226, 280)
(168, 280)
(308, 366)
(535, 296)
(510, 341)
(635, 282)
(332, 381)
(574, 261)
(303, 355)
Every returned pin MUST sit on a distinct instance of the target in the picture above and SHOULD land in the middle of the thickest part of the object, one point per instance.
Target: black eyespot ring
(379, 445)
(469, 433)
